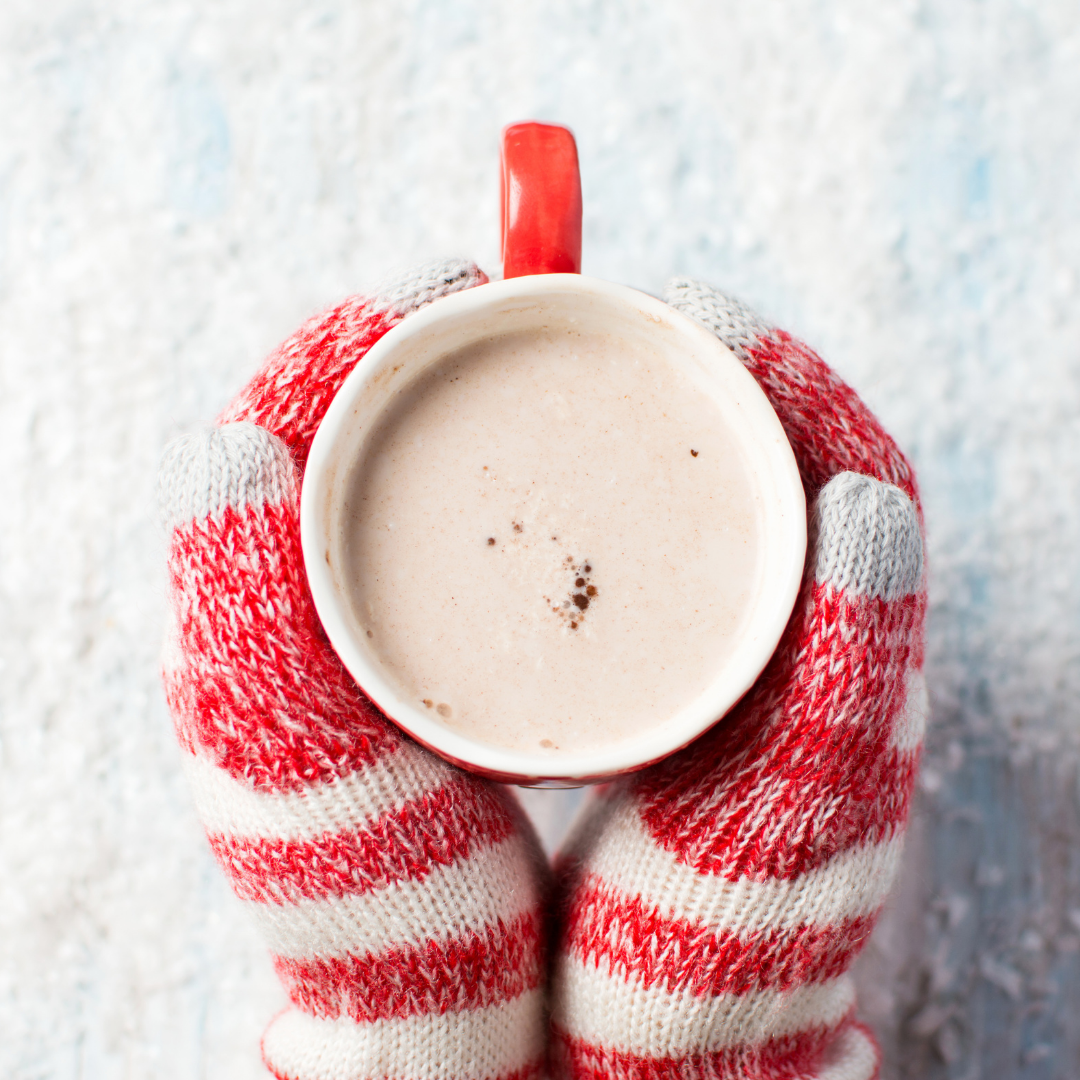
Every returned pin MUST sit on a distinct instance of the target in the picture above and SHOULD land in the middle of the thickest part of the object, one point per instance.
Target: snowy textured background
(180, 185)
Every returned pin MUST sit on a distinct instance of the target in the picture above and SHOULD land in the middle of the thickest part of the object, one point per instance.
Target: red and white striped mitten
(713, 903)
(401, 898)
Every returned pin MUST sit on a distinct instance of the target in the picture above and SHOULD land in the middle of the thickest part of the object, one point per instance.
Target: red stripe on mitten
(713, 903)
(401, 898)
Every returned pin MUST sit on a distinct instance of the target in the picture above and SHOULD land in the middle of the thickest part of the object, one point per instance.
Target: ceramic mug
(544, 298)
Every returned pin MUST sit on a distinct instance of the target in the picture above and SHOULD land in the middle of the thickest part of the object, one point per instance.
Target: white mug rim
(784, 531)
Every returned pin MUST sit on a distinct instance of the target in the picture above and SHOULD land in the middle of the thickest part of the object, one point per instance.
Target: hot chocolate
(551, 540)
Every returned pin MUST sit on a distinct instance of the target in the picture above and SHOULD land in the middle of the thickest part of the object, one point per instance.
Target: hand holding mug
(709, 904)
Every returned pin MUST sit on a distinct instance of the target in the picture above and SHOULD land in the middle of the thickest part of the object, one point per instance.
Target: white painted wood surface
(181, 184)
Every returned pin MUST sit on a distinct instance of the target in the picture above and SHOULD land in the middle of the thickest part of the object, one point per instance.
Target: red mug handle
(540, 195)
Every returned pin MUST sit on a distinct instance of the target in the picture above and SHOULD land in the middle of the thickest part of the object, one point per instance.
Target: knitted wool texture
(401, 898)
(711, 904)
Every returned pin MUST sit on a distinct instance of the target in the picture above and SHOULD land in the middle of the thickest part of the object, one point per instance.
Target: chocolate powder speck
(443, 709)
(581, 600)
(491, 541)
(370, 634)
(517, 527)
(588, 569)
(427, 702)
(580, 581)
(693, 453)
(573, 626)
(591, 590)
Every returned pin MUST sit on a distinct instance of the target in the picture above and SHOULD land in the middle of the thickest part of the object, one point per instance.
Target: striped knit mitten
(401, 898)
(712, 903)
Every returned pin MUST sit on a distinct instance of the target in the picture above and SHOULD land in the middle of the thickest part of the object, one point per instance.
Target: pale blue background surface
(181, 184)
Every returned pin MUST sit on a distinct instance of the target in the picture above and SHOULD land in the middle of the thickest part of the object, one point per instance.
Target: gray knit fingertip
(867, 538)
(736, 325)
(235, 465)
(405, 293)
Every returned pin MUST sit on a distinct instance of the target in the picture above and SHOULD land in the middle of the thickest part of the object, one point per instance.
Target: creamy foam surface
(551, 541)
